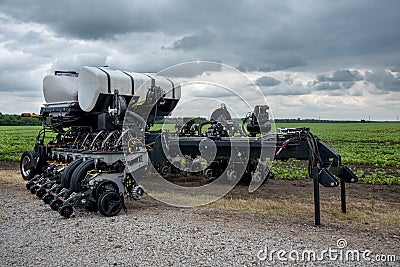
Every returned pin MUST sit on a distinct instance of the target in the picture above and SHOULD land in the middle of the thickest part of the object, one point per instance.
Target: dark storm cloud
(267, 81)
(300, 37)
(85, 19)
(252, 35)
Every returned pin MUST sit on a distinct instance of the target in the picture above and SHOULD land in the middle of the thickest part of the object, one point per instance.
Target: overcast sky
(311, 59)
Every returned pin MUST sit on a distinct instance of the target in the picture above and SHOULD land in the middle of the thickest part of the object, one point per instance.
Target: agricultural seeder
(102, 147)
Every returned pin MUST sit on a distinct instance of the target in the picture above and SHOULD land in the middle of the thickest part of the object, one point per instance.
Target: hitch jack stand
(317, 208)
(343, 194)
(317, 203)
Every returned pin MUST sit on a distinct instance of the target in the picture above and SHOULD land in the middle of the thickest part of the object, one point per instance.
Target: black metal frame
(325, 165)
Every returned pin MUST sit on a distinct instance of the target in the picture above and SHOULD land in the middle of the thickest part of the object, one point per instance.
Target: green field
(372, 150)
(14, 140)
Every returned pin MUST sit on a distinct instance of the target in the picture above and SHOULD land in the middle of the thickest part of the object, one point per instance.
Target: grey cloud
(274, 63)
(288, 80)
(340, 79)
(191, 70)
(267, 81)
(393, 98)
(341, 76)
(383, 80)
(395, 69)
(31, 38)
(194, 41)
(325, 32)
(336, 93)
(346, 76)
(75, 62)
(286, 91)
(347, 85)
(85, 19)
(328, 86)
(21, 82)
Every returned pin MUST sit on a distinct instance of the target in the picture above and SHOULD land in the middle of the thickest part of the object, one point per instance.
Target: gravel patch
(153, 234)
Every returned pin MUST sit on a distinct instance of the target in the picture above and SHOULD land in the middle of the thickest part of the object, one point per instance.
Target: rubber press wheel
(103, 187)
(79, 174)
(66, 211)
(67, 173)
(110, 203)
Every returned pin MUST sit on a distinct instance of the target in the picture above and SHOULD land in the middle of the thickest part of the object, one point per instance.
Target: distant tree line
(17, 120)
(315, 121)
(297, 120)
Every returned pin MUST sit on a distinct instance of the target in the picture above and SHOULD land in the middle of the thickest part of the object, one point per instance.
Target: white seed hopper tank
(91, 82)
(61, 87)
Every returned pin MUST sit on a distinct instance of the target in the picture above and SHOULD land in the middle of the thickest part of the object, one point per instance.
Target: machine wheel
(104, 186)
(110, 204)
(28, 164)
(79, 174)
(67, 173)
(55, 204)
(57, 189)
(34, 189)
(66, 211)
(40, 192)
(29, 185)
(47, 198)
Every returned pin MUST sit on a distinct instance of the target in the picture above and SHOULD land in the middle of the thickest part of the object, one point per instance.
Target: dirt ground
(378, 205)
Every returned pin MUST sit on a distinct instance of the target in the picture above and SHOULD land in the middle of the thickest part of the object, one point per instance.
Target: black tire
(29, 185)
(34, 189)
(66, 211)
(79, 174)
(110, 204)
(67, 173)
(27, 164)
(56, 203)
(103, 187)
(40, 192)
(47, 198)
